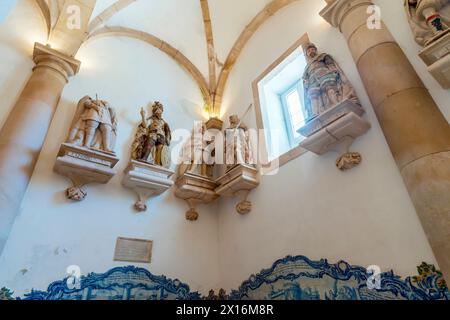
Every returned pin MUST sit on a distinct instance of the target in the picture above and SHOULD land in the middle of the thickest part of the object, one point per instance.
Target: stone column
(23, 134)
(415, 129)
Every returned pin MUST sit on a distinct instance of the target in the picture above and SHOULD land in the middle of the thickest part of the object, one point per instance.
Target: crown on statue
(157, 105)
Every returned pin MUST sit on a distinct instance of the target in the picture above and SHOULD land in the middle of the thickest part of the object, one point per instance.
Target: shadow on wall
(290, 278)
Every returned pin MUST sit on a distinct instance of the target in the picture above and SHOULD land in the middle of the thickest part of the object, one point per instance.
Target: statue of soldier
(95, 125)
(155, 145)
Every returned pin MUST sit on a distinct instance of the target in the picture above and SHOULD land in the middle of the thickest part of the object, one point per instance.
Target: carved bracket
(146, 181)
(239, 181)
(84, 166)
(195, 189)
(336, 130)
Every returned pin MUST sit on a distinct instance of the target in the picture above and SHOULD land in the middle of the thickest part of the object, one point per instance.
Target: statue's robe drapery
(238, 148)
(321, 73)
(193, 152)
(139, 141)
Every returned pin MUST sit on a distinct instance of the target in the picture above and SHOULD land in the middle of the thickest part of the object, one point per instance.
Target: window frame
(287, 115)
(295, 152)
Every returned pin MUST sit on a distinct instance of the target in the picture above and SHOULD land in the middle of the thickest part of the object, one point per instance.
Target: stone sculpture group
(88, 156)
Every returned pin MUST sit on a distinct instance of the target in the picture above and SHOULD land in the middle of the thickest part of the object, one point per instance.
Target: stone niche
(88, 154)
(147, 181)
(335, 130)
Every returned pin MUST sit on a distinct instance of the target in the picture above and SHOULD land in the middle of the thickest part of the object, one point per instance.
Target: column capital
(44, 56)
(336, 10)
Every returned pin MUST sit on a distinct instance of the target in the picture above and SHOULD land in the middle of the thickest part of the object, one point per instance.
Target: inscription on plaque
(88, 158)
(133, 250)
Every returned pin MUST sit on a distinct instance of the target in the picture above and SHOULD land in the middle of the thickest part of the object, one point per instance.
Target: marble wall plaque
(133, 250)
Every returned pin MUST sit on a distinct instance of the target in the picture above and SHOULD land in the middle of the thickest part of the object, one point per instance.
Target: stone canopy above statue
(333, 111)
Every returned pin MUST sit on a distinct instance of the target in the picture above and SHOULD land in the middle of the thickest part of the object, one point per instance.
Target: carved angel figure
(325, 83)
(428, 19)
(237, 143)
(94, 125)
(153, 138)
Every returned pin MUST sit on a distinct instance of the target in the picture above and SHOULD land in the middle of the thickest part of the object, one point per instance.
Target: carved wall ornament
(88, 155)
(348, 161)
(332, 108)
(148, 173)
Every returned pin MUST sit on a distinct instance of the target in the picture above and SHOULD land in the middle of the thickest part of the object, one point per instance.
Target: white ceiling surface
(102, 5)
(180, 23)
(229, 18)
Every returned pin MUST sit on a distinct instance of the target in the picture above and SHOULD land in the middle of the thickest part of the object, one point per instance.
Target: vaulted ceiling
(204, 36)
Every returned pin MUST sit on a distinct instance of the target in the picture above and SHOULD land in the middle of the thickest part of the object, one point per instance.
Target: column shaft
(23, 134)
(417, 132)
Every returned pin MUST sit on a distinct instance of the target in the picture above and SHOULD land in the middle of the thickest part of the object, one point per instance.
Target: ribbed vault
(211, 85)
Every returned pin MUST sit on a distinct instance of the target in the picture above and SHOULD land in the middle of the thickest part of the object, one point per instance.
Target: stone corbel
(84, 166)
(195, 189)
(239, 181)
(336, 130)
(146, 181)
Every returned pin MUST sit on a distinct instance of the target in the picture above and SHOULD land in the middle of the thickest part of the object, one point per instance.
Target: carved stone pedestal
(239, 181)
(437, 57)
(195, 189)
(84, 166)
(146, 181)
(335, 130)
